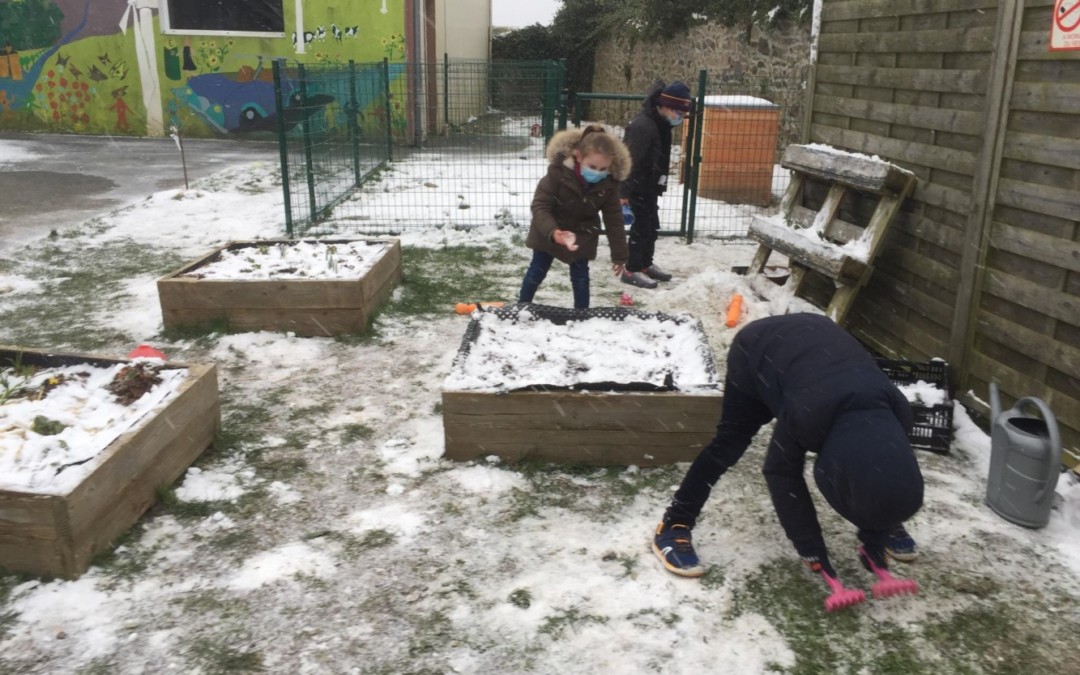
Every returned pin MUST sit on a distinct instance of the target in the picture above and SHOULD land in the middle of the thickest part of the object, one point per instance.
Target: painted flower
(212, 44)
(39, 86)
(52, 85)
(52, 73)
(213, 61)
(63, 82)
(171, 43)
(56, 115)
(85, 86)
(53, 105)
(85, 118)
(52, 95)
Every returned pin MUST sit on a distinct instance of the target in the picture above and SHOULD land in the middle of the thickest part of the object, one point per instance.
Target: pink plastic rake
(840, 597)
(887, 585)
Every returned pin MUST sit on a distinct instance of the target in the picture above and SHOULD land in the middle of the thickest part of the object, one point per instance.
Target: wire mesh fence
(467, 142)
(334, 130)
(745, 124)
(466, 137)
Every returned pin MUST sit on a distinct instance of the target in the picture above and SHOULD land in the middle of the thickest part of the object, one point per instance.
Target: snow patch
(488, 481)
(210, 486)
(283, 562)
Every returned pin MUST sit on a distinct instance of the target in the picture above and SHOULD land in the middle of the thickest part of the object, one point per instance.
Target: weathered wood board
(57, 535)
(863, 173)
(306, 307)
(821, 257)
(602, 428)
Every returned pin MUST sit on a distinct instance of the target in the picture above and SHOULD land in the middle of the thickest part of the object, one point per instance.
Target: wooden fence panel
(1034, 249)
(927, 106)
(983, 265)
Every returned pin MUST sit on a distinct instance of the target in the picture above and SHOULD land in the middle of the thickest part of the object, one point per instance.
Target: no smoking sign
(1065, 29)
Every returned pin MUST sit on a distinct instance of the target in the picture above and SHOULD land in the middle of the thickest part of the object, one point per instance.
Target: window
(226, 17)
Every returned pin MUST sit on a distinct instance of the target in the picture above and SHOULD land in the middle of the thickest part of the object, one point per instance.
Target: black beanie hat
(675, 96)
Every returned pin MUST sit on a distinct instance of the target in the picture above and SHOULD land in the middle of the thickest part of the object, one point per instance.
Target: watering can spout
(995, 402)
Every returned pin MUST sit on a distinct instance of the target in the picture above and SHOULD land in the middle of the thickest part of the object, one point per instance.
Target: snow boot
(654, 272)
(638, 279)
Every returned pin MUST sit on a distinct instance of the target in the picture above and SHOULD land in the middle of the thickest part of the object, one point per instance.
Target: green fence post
(354, 127)
(686, 170)
(305, 128)
(579, 100)
(696, 149)
(551, 93)
(446, 89)
(283, 147)
(564, 94)
(388, 104)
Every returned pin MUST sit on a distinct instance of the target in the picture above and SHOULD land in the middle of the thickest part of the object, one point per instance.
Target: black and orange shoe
(674, 546)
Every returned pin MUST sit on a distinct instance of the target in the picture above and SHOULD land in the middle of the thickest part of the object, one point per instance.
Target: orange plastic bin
(738, 149)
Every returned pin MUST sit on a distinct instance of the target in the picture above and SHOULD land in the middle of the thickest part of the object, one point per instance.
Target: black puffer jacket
(828, 395)
(648, 137)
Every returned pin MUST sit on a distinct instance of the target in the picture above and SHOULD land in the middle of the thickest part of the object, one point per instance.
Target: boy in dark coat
(582, 182)
(828, 397)
(648, 136)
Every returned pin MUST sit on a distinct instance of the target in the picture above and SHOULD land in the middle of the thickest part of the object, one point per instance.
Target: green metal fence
(466, 136)
(334, 127)
(725, 157)
(382, 148)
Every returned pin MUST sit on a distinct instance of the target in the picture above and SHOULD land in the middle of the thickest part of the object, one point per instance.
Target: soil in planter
(133, 381)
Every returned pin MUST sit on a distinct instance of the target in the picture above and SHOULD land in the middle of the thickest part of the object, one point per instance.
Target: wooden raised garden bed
(605, 413)
(302, 302)
(55, 530)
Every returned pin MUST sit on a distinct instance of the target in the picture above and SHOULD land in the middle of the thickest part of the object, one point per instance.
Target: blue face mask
(592, 175)
(675, 121)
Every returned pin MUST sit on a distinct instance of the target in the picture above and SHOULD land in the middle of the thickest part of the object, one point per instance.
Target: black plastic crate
(933, 424)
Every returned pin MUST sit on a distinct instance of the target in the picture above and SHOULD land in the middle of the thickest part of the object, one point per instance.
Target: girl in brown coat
(586, 166)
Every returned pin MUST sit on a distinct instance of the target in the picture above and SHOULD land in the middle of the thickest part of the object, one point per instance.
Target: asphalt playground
(70, 178)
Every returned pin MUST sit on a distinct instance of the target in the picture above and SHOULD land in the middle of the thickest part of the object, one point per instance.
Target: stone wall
(770, 64)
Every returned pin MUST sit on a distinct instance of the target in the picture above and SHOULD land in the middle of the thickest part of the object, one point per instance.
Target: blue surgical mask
(592, 175)
(675, 121)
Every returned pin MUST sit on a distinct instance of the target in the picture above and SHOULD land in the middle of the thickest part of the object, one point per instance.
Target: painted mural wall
(107, 67)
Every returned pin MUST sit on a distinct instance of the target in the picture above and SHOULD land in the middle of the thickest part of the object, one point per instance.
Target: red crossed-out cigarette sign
(1065, 28)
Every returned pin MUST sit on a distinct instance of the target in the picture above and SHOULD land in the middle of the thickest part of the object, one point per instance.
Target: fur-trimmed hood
(560, 151)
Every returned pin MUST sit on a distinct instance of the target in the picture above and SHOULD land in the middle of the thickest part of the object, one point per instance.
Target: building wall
(464, 29)
(95, 78)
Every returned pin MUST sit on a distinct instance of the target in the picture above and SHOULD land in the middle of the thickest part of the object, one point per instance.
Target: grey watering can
(1025, 460)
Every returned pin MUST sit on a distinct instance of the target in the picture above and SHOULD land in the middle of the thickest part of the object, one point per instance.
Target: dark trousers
(742, 415)
(644, 231)
(537, 272)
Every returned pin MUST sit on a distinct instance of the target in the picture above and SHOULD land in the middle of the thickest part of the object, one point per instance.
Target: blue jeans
(538, 269)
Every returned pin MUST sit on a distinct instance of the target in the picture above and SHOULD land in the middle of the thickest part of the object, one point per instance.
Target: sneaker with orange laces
(674, 547)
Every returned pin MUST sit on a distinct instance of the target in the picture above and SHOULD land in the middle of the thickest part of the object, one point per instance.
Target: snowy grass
(324, 533)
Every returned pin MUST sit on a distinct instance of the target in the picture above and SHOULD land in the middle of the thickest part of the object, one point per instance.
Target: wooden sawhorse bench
(819, 240)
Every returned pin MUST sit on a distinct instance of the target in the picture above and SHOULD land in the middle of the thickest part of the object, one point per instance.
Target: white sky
(518, 13)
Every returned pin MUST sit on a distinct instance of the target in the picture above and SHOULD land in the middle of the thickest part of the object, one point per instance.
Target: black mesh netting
(560, 316)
